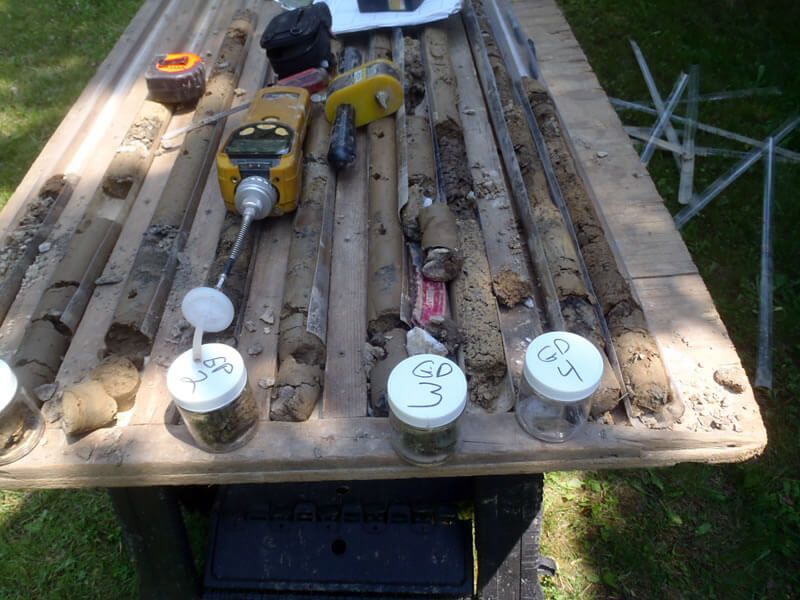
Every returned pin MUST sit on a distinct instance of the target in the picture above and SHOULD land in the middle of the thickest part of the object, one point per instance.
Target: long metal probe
(643, 134)
(764, 368)
(664, 117)
(247, 220)
(672, 136)
(716, 188)
(728, 95)
(686, 186)
(627, 105)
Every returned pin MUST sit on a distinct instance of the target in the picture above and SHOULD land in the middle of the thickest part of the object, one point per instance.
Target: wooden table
(149, 447)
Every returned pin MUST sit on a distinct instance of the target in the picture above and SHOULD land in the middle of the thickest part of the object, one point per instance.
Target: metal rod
(716, 188)
(728, 95)
(238, 244)
(625, 104)
(528, 48)
(205, 121)
(764, 368)
(643, 134)
(656, 96)
(664, 117)
(686, 186)
(522, 55)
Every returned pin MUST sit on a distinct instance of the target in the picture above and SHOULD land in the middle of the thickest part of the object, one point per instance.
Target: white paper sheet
(347, 18)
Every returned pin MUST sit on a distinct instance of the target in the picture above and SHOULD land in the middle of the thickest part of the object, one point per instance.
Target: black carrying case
(299, 39)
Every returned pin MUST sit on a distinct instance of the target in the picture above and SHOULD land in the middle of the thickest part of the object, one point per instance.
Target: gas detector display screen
(264, 140)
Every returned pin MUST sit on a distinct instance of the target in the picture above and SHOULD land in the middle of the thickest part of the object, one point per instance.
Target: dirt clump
(733, 379)
(393, 345)
(35, 213)
(510, 289)
(296, 391)
(120, 379)
(86, 407)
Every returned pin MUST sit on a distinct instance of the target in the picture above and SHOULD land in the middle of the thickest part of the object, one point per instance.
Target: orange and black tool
(312, 80)
(176, 78)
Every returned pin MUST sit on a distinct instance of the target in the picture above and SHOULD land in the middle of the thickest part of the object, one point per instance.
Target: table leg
(508, 514)
(153, 528)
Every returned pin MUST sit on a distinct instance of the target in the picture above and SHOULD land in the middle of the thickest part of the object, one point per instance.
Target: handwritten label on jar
(563, 365)
(427, 390)
(557, 352)
(217, 367)
(210, 383)
(426, 370)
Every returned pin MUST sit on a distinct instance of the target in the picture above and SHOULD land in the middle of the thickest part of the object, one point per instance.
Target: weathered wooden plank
(694, 343)
(266, 293)
(345, 388)
(357, 448)
(155, 451)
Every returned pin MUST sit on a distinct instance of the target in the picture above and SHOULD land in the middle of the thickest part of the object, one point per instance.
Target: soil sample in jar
(426, 395)
(562, 370)
(21, 422)
(213, 397)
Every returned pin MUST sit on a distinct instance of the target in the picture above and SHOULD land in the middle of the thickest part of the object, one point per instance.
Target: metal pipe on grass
(627, 105)
(686, 186)
(672, 136)
(716, 188)
(764, 368)
(663, 118)
(643, 134)
(728, 95)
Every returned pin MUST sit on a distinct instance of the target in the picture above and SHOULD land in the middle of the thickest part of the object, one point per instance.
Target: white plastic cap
(207, 309)
(563, 366)
(8, 385)
(210, 383)
(427, 391)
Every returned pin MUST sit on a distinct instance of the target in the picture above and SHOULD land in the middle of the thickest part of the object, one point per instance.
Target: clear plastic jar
(426, 396)
(21, 422)
(421, 445)
(213, 397)
(562, 371)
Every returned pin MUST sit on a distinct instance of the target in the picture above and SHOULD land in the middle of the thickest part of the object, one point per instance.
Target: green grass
(691, 531)
(62, 544)
(48, 51)
(701, 531)
(54, 544)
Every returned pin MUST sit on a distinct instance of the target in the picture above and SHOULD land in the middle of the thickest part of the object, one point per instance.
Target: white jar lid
(563, 366)
(208, 384)
(427, 391)
(8, 385)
